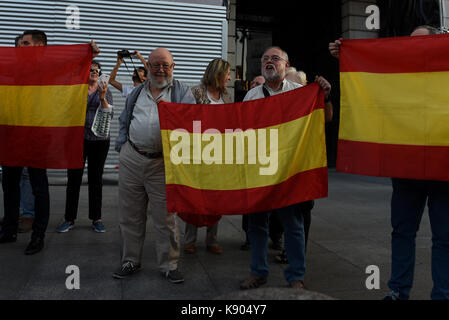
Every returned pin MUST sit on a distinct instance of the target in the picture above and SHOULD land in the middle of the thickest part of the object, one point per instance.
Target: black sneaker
(277, 245)
(128, 268)
(174, 276)
(6, 237)
(35, 246)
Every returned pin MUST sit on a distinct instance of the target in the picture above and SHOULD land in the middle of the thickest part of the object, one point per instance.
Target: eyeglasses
(95, 70)
(274, 58)
(156, 67)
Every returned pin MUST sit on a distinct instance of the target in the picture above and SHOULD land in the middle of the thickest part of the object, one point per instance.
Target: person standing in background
(212, 90)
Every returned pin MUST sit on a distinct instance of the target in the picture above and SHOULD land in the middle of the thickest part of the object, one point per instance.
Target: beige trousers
(191, 233)
(142, 183)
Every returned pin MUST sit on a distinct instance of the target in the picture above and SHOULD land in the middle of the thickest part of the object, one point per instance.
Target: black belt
(150, 155)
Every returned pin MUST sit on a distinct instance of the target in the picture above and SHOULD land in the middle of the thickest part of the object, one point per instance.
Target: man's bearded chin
(272, 74)
(160, 84)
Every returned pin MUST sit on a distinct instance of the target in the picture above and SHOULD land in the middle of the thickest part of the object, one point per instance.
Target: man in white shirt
(142, 173)
(274, 64)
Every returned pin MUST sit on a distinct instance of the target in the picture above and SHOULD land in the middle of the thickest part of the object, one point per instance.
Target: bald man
(142, 174)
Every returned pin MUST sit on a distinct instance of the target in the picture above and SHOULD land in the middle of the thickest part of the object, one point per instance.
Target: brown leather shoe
(297, 284)
(252, 282)
(25, 225)
(215, 249)
(189, 248)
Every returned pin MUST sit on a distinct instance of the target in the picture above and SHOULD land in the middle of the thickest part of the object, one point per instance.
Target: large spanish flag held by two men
(395, 107)
(43, 99)
(244, 157)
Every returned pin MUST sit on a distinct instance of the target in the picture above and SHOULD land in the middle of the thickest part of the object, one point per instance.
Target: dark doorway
(400, 17)
(303, 29)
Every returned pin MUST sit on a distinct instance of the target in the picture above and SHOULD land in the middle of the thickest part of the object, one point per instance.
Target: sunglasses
(95, 70)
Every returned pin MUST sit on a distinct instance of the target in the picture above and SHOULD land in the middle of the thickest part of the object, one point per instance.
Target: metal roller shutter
(195, 34)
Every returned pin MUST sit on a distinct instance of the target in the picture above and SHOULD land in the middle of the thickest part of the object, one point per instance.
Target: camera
(104, 79)
(124, 54)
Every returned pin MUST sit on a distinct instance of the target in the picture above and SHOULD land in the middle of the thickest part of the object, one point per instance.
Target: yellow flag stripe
(395, 108)
(43, 106)
(300, 147)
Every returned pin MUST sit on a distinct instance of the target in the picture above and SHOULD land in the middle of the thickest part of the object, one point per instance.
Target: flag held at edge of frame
(395, 107)
(225, 186)
(43, 99)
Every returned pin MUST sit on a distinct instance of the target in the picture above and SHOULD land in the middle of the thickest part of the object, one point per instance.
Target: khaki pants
(191, 233)
(142, 183)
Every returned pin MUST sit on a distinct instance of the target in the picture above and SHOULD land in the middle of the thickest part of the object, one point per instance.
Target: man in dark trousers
(407, 207)
(38, 180)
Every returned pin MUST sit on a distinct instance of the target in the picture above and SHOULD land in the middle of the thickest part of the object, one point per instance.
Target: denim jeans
(26, 195)
(293, 224)
(407, 207)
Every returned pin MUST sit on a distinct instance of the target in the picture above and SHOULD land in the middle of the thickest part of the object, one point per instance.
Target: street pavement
(350, 231)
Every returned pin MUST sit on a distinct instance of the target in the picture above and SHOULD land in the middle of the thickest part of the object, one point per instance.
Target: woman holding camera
(139, 75)
(212, 90)
(95, 151)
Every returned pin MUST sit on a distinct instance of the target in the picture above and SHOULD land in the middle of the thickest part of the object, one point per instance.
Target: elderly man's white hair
(299, 76)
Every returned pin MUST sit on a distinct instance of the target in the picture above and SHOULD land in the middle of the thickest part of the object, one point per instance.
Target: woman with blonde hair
(212, 90)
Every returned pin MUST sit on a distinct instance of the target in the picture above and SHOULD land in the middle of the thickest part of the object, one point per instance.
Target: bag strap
(265, 91)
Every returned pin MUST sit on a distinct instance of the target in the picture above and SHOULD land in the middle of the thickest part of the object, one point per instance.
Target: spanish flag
(43, 99)
(245, 157)
(395, 107)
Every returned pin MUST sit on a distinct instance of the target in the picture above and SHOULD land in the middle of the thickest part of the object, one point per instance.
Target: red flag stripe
(41, 66)
(302, 187)
(46, 147)
(395, 55)
(397, 161)
(228, 116)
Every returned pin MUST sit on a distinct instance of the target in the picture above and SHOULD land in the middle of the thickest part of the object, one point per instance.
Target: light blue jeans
(292, 221)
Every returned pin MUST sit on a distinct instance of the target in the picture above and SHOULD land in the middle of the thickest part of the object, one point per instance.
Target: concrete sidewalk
(350, 231)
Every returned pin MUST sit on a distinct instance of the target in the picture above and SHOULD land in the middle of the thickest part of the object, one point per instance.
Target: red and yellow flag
(245, 157)
(43, 99)
(395, 107)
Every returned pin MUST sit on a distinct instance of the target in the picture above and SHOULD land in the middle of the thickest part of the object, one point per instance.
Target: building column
(354, 19)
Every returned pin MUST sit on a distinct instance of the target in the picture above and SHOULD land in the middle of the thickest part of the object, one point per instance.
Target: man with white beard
(141, 170)
(274, 64)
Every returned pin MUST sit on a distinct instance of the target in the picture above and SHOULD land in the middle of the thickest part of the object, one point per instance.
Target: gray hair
(284, 54)
(300, 76)
(432, 30)
(290, 70)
